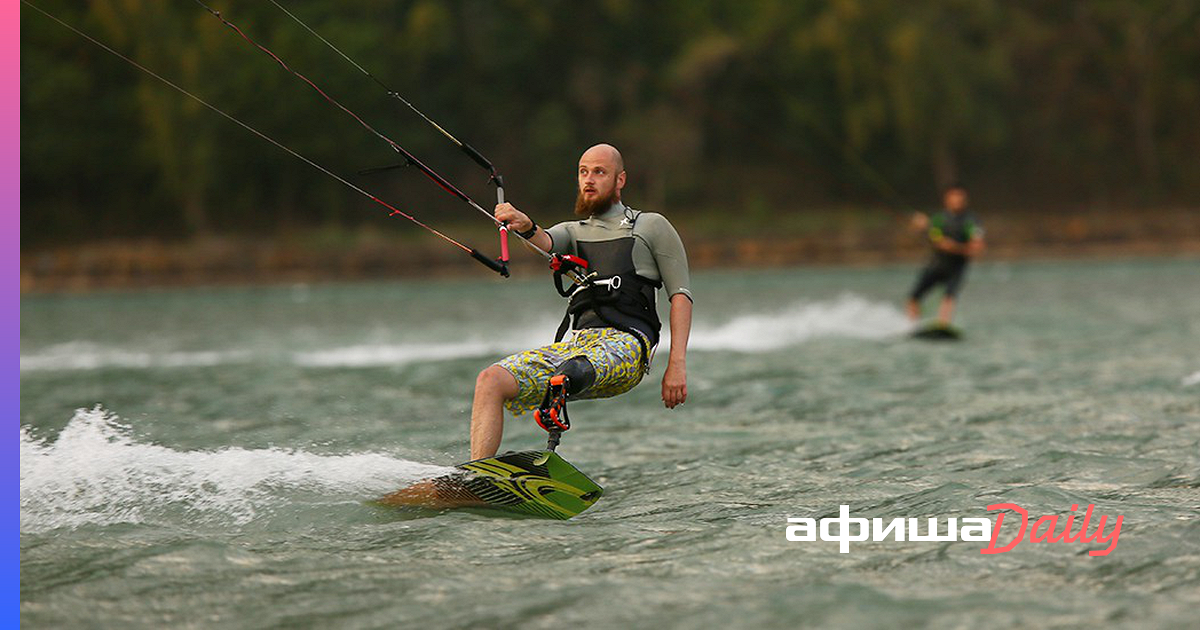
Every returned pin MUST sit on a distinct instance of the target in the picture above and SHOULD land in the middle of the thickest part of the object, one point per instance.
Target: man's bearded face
(597, 188)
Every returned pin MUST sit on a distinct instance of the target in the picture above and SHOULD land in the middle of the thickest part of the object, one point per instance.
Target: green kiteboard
(938, 331)
(536, 483)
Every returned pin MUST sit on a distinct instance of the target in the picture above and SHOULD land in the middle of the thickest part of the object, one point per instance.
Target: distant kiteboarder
(956, 237)
(624, 256)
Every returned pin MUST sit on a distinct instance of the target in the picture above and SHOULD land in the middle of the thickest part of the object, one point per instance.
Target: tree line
(720, 106)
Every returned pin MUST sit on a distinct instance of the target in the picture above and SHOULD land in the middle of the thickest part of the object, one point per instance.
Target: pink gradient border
(10, 312)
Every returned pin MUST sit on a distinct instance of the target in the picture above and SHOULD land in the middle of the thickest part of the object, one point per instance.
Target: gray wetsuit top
(658, 254)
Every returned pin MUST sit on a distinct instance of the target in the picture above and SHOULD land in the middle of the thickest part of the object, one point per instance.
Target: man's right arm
(520, 222)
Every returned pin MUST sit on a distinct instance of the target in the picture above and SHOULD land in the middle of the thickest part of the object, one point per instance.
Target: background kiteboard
(537, 483)
(938, 332)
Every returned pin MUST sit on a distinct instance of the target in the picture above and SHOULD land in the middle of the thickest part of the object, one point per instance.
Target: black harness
(612, 293)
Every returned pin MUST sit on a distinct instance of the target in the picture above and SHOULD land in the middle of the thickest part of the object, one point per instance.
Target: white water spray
(98, 473)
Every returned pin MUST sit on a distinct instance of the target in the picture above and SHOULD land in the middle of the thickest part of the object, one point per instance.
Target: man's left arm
(671, 259)
(974, 245)
(674, 383)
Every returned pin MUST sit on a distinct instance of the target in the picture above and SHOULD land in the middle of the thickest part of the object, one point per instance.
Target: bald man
(615, 321)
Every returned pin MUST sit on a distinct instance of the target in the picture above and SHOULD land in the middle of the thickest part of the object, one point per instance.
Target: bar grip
(494, 265)
(504, 242)
(477, 156)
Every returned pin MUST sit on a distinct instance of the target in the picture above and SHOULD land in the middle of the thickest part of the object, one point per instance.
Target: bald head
(604, 153)
(601, 178)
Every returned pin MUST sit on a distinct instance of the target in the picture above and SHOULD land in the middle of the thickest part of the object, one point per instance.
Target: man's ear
(621, 180)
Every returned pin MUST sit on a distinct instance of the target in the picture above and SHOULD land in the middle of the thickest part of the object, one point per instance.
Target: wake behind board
(938, 332)
(537, 483)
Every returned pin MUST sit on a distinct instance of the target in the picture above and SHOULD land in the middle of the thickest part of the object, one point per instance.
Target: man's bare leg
(914, 310)
(493, 386)
(946, 311)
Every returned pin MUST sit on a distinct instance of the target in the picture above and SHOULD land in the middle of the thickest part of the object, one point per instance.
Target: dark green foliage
(785, 105)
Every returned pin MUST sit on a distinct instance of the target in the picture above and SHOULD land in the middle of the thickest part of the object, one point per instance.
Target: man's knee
(496, 380)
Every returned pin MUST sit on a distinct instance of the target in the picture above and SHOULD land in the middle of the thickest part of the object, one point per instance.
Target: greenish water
(225, 441)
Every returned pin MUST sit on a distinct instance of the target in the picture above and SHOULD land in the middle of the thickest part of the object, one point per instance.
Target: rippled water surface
(201, 458)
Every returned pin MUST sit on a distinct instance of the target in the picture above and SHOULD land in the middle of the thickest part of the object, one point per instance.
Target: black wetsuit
(945, 268)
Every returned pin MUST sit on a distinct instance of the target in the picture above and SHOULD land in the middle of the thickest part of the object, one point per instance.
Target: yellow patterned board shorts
(615, 355)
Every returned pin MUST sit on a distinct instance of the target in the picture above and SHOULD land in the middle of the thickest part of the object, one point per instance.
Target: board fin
(537, 483)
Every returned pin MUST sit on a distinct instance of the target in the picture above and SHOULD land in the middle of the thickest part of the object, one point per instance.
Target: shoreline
(848, 237)
(235, 262)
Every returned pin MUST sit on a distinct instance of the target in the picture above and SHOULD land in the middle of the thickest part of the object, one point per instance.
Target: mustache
(587, 207)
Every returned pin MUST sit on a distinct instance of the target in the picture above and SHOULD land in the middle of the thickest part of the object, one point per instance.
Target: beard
(585, 207)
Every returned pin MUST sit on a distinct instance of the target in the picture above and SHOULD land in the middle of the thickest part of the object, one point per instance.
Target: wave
(400, 354)
(85, 355)
(1192, 379)
(849, 316)
(97, 473)
(375, 355)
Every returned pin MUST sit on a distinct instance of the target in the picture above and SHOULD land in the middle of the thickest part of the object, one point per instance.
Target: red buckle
(559, 261)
